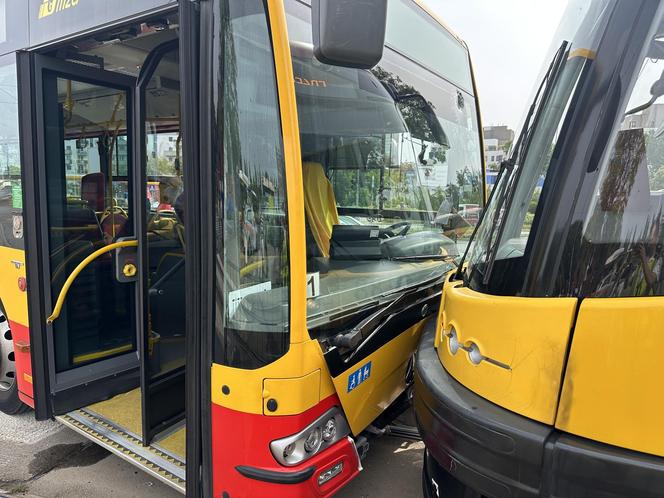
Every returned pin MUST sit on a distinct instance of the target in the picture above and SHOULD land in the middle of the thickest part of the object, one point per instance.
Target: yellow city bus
(541, 376)
(223, 231)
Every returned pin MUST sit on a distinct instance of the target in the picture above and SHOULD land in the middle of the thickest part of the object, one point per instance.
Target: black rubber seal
(276, 477)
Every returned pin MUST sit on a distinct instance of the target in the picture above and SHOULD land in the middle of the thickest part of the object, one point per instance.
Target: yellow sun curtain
(319, 205)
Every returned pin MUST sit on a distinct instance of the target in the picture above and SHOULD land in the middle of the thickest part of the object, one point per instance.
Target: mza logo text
(49, 7)
(359, 376)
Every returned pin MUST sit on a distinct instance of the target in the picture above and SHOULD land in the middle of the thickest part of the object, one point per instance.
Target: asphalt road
(45, 459)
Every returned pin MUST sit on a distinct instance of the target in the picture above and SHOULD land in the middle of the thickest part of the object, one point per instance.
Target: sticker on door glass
(17, 226)
(235, 297)
(313, 284)
(17, 195)
(359, 376)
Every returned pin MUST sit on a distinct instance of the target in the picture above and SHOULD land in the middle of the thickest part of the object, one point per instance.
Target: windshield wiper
(426, 257)
(506, 167)
(532, 117)
(499, 194)
(352, 338)
(504, 195)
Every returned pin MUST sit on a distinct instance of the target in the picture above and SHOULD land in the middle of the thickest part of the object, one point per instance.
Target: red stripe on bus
(21, 336)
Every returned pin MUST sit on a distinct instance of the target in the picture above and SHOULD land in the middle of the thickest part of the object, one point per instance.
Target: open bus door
(114, 261)
(89, 351)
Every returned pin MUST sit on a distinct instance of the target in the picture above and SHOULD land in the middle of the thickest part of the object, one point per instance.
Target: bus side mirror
(349, 33)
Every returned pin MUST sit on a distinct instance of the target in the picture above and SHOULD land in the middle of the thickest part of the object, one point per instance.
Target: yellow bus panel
(15, 301)
(243, 390)
(387, 380)
(295, 393)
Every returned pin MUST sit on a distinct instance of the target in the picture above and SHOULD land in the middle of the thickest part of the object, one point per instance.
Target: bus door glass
(84, 171)
(164, 352)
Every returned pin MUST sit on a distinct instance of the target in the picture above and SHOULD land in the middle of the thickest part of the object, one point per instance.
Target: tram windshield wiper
(504, 195)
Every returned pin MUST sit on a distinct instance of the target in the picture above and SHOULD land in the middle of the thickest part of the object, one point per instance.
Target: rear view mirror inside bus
(349, 33)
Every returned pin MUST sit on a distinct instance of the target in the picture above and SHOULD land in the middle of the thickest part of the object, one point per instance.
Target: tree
(656, 174)
(655, 154)
(439, 154)
(411, 109)
(160, 166)
(654, 149)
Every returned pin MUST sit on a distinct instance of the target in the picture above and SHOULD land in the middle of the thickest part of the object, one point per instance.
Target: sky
(508, 41)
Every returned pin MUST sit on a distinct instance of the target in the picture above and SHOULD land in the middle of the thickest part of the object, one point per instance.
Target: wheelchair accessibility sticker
(359, 376)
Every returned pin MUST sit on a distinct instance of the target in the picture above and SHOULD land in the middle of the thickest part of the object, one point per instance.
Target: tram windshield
(495, 256)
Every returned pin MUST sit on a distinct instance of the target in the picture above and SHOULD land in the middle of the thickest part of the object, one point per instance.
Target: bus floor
(116, 424)
(125, 411)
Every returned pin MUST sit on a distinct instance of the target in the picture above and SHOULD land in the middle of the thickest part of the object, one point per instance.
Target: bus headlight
(320, 434)
(330, 430)
(313, 441)
(289, 450)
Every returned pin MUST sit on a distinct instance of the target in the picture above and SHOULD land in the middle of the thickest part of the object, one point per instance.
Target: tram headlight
(322, 433)
(453, 341)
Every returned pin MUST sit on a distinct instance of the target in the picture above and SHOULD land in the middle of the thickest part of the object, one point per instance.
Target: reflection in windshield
(252, 257)
(11, 203)
(621, 245)
(391, 169)
(369, 140)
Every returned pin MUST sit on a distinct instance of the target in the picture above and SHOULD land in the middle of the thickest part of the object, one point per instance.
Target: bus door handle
(81, 266)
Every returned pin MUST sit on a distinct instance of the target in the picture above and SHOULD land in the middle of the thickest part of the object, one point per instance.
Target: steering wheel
(401, 228)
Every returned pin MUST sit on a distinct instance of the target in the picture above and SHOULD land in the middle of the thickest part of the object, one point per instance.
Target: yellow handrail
(81, 266)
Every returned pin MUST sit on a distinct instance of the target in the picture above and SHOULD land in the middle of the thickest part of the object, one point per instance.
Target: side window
(11, 196)
(252, 224)
(404, 20)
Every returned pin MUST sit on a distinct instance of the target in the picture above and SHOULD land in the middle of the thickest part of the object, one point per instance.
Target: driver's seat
(320, 206)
